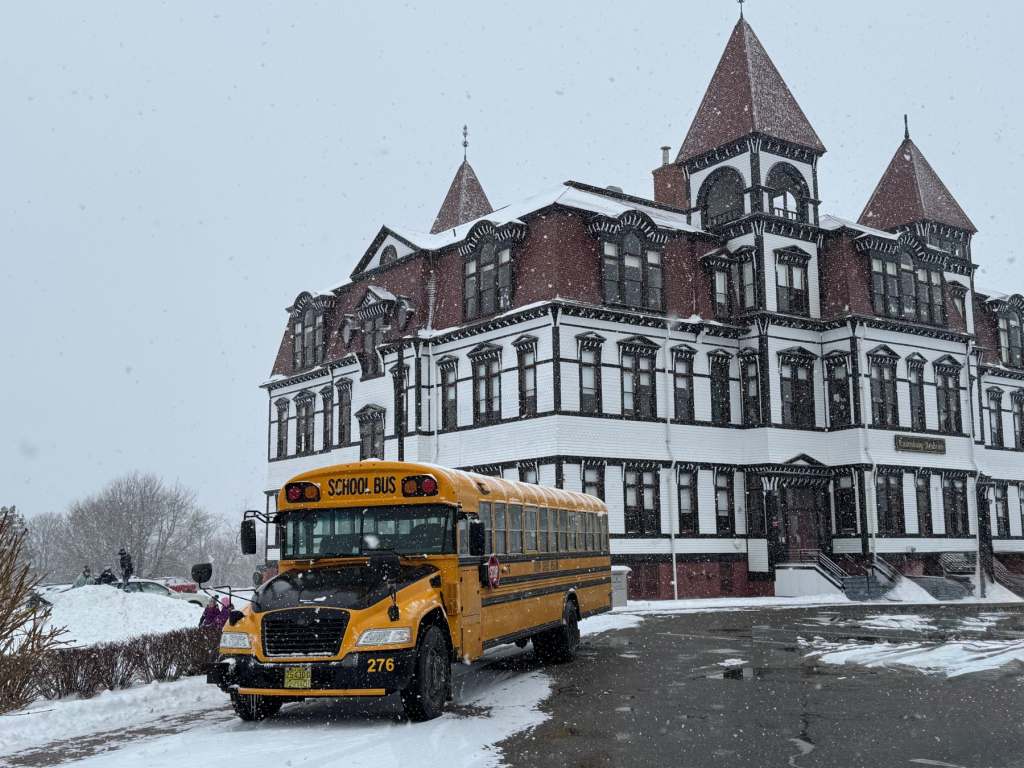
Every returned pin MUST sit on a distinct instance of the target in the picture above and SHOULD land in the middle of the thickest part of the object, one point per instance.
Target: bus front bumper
(373, 673)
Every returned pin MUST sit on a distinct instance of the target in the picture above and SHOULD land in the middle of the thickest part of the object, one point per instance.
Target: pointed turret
(746, 95)
(464, 202)
(910, 191)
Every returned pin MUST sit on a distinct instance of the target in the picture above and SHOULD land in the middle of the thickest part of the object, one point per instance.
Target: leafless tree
(46, 548)
(154, 521)
(24, 636)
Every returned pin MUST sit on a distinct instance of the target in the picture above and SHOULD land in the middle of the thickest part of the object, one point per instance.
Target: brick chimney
(670, 182)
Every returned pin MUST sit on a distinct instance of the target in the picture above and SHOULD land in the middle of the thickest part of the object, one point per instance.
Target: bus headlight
(392, 636)
(238, 640)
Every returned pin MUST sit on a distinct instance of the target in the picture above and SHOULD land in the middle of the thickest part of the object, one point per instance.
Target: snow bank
(65, 719)
(907, 591)
(706, 605)
(101, 614)
(951, 659)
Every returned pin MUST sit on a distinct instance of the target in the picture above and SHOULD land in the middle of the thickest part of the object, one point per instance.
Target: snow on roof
(566, 194)
(832, 223)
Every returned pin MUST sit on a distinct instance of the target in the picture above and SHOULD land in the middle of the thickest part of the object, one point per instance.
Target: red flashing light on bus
(297, 492)
(419, 485)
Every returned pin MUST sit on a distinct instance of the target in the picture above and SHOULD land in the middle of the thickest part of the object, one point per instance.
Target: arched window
(788, 193)
(721, 197)
(1011, 343)
(388, 255)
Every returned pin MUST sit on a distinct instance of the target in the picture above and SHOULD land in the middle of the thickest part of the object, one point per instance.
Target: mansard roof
(746, 95)
(911, 191)
(464, 202)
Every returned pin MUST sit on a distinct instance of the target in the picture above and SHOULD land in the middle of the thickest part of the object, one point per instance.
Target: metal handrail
(881, 565)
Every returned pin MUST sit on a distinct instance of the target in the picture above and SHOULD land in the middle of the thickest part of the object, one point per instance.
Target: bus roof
(455, 485)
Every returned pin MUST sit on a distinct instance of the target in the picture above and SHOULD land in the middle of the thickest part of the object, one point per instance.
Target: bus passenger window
(464, 536)
(485, 515)
(499, 529)
(577, 538)
(604, 533)
(542, 530)
(530, 529)
(592, 533)
(563, 530)
(588, 531)
(515, 528)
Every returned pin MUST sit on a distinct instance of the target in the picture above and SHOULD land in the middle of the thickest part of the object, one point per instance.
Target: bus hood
(347, 586)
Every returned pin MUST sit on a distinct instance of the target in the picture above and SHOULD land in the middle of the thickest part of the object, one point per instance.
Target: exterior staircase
(1007, 578)
(871, 582)
(942, 588)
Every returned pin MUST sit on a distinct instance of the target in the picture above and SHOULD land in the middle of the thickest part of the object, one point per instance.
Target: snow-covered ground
(494, 699)
(101, 614)
(951, 659)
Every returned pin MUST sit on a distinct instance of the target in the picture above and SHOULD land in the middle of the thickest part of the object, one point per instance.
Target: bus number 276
(380, 665)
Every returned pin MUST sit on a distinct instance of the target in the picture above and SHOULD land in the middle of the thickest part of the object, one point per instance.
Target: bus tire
(559, 645)
(425, 695)
(252, 707)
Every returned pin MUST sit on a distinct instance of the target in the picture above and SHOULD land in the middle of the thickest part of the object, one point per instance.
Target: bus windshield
(410, 529)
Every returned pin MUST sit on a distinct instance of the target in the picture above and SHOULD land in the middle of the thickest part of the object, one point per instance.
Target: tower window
(721, 198)
(788, 192)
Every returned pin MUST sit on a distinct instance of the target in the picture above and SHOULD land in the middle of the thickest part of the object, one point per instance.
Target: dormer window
(632, 274)
(905, 289)
(1011, 344)
(388, 255)
(307, 335)
(488, 280)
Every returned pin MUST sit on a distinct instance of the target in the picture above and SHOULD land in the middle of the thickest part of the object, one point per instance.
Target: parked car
(149, 587)
(177, 583)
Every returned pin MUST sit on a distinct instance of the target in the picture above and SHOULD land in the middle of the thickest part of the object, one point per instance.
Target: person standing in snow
(126, 566)
(215, 615)
(85, 577)
(107, 577)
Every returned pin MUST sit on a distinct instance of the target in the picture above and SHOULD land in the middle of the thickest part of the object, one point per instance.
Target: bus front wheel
(253, 707)
(559, 645)
(431, 681)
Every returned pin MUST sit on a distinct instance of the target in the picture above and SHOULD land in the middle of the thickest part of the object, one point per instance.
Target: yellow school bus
(392, 571)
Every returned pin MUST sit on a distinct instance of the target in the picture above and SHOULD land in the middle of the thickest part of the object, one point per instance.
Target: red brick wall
(670, 186)
(697, 579)
(845, 277)
(986, 328)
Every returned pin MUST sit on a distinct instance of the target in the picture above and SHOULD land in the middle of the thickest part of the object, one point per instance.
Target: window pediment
(448, 361)
(507, 234)
(916, 359)
(792, 255)
(798, 353)
(484, 349)
(883, 351)
(370, 412)
(526, 340)
(639, 343)
(947, 361)
(590, 339)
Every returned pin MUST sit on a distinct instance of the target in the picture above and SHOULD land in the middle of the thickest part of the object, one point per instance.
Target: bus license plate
(298, 677)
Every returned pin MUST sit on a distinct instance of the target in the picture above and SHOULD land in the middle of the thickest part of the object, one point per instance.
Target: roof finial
(465, 141)
(906, 128)
(741, 2)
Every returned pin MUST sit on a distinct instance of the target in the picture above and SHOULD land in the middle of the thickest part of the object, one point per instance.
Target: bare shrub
(114, 665)
(161, 657)
(24, 634)
(198, 649)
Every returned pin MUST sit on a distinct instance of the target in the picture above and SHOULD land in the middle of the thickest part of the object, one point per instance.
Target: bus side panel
(470, 612)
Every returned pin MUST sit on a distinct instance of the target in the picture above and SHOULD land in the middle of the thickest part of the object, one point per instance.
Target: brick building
(747, 381)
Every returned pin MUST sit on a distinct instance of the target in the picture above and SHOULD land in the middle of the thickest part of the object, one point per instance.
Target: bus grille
(304, 632)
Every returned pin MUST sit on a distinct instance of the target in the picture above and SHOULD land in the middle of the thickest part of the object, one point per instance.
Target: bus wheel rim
(434, 674)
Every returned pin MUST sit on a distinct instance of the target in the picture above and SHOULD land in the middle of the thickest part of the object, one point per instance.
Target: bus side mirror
(202, 572)
(247, 534)
(477, 538)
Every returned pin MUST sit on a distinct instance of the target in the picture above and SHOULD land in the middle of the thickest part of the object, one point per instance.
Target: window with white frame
(947, 395)
(682, 384)
(487, 284)
(884, 405)
(1011, 339)
(590, 373)
(282, 428)
(632, 272)
(995, 417)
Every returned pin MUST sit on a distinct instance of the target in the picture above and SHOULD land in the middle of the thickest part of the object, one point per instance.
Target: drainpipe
(432, 408)
(969, 353)
(673, 481)
(870, 488)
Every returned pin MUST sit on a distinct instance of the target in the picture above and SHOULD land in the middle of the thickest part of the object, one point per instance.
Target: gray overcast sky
(174, 173)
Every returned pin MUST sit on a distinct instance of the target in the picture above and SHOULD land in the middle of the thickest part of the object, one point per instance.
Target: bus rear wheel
(431, 681)
(253, 707)
(559, 645)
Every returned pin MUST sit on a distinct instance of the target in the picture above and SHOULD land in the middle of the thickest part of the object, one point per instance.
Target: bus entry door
(469, 611)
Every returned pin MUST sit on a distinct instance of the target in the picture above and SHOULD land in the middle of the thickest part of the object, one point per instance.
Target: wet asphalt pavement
(656, 695)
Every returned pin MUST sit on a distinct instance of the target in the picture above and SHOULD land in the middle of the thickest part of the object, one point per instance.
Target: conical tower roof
(464, 202)
(910, 191)
(746, 95)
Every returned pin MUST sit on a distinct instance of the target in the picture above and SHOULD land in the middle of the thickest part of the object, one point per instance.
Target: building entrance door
(802, 514)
